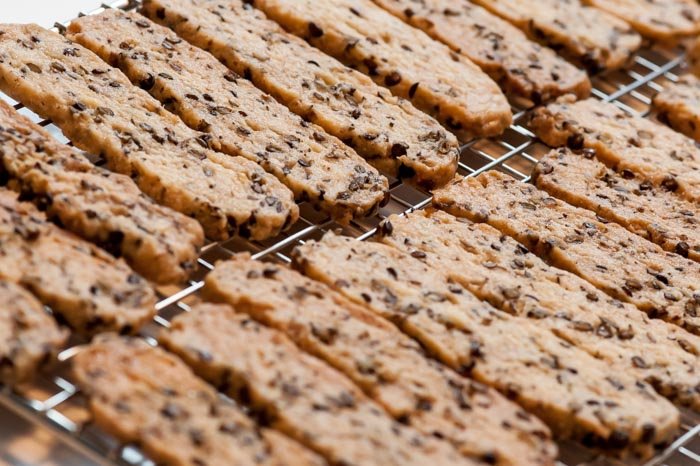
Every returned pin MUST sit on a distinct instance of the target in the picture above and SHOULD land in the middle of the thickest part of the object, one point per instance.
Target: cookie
(562, 385)
(144, 395)
(626, 266)
(96, 204)
(678, 106)
(296, 393)
(664, 20)
(595, 39)
(693, 57)
(520, 66)
(101, 112)
(387, 365)
(499, 270)
(315, 166)
(389, 132)
(622, 141)
(85, 286)
(624, 198)
(411, 64)
(29, 337)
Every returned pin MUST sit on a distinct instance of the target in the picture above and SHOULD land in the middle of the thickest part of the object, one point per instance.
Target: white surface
(44, 12)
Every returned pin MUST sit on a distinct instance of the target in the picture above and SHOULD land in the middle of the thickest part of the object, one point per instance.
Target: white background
(44, 12)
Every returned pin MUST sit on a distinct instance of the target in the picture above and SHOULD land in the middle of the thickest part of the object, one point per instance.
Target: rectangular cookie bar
(29, 336)
(624, 265)
(97, 108)
(86, 287)
(624, 198)
(296, 393)
(520, 66)
(387, 365)
(665, 20)
(499, 270)
(208, 97)
(562, 385)
(142, 394)
(388, 131)
(591, 37)
(622, 141)
(437, 80)
(678, 106)
(96, 204)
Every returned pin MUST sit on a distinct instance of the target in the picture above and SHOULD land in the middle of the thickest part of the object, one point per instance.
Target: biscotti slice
(29, 337)
(389, 366)
(411, 64)
(576, 394)
(296, 393)
(209, 97)
(521, 67)
(624, 198)
(499, 270)
(595, 39)
(626, 266)
(388, 131)
(86, 287)
(622, 141)
(96, 204)
(101, 112)
(144, 395)
(678, 106)
(665, 20)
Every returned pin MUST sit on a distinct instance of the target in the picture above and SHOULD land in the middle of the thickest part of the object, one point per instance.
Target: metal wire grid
(54, 401)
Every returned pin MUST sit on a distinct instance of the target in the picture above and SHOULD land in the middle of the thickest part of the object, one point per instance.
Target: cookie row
(97, 107)
(143, 394)
(625, 168)
(577, 395)
(242, 120)
(388, 366)
(92, 202)
(586, 368)
(305, 179)
(86, 287)
(624, 265)
(499, 270)
(387, 131)
(625, 197)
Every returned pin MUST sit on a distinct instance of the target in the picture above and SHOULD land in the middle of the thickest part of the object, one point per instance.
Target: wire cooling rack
(55, 402)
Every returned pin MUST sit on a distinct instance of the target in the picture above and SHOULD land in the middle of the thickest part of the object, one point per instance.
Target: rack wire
(54, 401)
